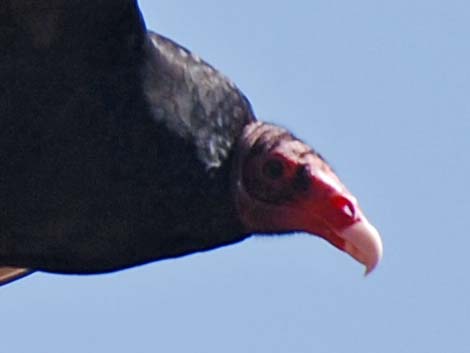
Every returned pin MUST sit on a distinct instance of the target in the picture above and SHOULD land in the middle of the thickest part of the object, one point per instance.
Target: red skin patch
(288, 187)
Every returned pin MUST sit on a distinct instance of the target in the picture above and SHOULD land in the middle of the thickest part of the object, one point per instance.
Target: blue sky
(381, 89)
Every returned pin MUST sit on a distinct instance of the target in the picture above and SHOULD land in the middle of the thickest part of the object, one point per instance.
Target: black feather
(115, 143)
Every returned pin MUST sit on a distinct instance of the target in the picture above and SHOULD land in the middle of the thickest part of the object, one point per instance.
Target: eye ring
(273, 169)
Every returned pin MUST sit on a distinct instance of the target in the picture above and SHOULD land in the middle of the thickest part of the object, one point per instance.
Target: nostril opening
(345, 206)
(348, 210)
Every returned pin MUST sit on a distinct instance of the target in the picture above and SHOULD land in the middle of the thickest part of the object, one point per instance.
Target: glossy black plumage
(120, 147)
(115, 143)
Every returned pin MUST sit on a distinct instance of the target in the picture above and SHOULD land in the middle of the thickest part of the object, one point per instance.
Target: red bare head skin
(282, 185)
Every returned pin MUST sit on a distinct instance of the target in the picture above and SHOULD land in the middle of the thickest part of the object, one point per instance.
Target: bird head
(282, 185)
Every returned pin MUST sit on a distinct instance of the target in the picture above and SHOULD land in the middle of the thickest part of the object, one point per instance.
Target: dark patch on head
(302, 180)
(320, 156)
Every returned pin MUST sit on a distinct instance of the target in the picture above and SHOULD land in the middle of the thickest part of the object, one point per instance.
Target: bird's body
(117, 146)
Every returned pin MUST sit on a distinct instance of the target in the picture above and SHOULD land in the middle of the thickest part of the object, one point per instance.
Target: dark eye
(273, 169)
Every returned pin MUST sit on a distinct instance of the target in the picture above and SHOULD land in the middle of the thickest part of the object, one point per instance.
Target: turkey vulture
(120, 147)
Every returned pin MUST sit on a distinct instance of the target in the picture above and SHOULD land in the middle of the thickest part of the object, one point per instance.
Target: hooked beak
(360, 240)
(336, 216)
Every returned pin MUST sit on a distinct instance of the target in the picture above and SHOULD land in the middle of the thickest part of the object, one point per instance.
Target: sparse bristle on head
(282, 185)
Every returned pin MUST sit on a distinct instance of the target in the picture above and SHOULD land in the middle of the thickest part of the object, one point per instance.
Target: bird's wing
(57, 57)
(194, 100)
(10, 274)
(80, 25)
